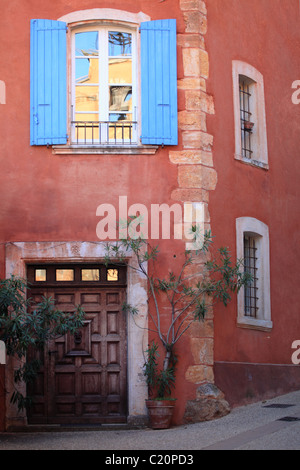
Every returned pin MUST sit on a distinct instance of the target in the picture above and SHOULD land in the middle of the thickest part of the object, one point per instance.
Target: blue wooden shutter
(159, 82)
(48, 82)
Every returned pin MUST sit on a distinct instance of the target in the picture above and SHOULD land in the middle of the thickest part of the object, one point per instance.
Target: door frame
(20, 254)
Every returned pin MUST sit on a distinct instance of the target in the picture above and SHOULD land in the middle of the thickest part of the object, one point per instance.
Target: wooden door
(83, 378)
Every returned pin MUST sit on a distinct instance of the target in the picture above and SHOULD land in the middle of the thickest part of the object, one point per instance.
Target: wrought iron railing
(104, 132)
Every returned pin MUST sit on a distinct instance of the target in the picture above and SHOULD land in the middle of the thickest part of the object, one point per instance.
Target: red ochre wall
(47, 197)
(55, 197)
(265, 34)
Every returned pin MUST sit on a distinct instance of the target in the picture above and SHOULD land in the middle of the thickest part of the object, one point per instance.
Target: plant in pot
(248, 126)
(177, 300)
(161, 404)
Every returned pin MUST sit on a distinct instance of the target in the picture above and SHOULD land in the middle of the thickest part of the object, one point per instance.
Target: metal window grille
(104, 132)
(251, 290)
(245, 113)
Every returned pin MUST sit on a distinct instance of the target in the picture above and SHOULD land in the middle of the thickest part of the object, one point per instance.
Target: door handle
(52, 352)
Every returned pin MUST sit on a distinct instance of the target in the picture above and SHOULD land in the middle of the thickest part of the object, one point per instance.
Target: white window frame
(260, 231)
(259, 132)
(116, 18)
(103, 111)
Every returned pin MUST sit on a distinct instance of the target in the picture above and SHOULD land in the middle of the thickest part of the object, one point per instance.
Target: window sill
(104, 149)
(252, 162)
(255, 324)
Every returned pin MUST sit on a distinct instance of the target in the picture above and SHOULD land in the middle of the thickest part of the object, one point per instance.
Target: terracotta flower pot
(248, 125)
(160, 413)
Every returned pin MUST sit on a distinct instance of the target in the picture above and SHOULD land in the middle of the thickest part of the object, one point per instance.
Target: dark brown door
(83, 378)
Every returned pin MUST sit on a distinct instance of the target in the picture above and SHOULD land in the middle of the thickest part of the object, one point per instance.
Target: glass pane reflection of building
(103, 87)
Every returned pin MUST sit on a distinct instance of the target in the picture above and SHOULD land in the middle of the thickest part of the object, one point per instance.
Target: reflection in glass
(119, 43)
(64, 274)
(90, 274)
(115, 117)
(86, 98)
(112, 275)
(120, 71)
(86, 43)
(40, 275)
(86, 71)
(120, 98)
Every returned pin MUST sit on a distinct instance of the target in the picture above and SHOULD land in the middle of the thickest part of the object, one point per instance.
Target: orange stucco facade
(50, 197)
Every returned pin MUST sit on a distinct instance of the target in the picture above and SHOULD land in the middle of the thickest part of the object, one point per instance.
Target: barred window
(251, 290)
(253, 299)
(250, 130)
(247, 123)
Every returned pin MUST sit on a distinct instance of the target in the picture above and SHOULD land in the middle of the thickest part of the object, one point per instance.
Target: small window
(64, 274)
(40, 275)
(112, 275)
(250, 263)
(249, 115)
(254, 302)
(247, 122)
(90, 275)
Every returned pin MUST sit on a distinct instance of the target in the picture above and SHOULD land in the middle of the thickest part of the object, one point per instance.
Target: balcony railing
(104, 132)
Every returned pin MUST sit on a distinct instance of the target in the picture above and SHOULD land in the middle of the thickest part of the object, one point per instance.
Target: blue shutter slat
(48, 81)
(159, 82)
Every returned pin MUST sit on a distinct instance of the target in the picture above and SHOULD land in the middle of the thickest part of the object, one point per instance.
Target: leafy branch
(25, 326)
(189, 296)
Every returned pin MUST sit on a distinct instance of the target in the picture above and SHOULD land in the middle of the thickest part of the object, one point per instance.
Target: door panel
(83, 378)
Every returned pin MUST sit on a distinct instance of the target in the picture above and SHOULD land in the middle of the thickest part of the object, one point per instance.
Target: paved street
(270, 425)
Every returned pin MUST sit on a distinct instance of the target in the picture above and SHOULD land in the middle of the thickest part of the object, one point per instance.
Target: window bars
(104, 132)
(246, 124)
(251, 290)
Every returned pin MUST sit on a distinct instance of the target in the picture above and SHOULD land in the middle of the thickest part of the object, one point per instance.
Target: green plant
(188, 296)
(24, 326)
(159, 381)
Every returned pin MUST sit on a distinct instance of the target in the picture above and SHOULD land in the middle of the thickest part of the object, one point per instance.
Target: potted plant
(248, 126)
(178, 300)
(161, 405)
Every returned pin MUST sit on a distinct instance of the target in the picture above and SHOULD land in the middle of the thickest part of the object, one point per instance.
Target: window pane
(90, 274)
(116, 117)
(120, 71)
(120, 98)
(86, 71)
(40, 275)
(86, 98)
(112, 274)
(86, 43)
(64, 275)
(119, 43)
(251, 290)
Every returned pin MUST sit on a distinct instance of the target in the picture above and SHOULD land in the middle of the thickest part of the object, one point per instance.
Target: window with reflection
(64, 274)
(112, 275)
(90, 274)
(40, 275)
(104, 89)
